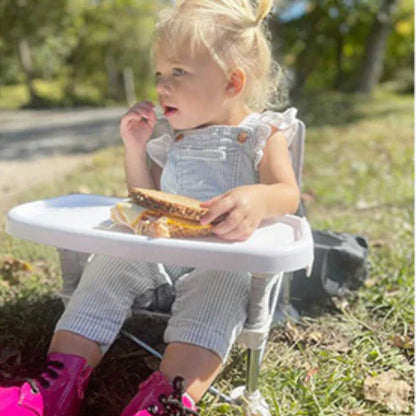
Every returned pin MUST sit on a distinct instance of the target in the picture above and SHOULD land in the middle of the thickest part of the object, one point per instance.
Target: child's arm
(246, 206)
(136, 127)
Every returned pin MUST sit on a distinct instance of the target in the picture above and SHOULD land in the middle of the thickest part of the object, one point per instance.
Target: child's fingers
(145, 112)
(241, 231)
(233, 220)
(207, 204)
(145, 108)
(220, 207)
(144, 104)
(139, 114)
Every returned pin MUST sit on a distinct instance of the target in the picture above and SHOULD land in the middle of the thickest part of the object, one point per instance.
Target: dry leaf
(12, 269)
(312, 372)
(388, 390)
(313, 337)
(404, 342)
(291, 332)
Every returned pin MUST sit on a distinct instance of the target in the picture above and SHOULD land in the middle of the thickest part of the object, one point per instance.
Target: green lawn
(358, 178)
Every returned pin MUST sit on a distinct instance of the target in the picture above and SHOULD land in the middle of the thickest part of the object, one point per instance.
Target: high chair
(81, 223)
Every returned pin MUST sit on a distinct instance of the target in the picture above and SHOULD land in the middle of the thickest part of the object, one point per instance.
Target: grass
(358, 178)
(49, 94)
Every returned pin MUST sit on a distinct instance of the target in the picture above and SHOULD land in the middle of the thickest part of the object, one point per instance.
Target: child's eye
(178, 72)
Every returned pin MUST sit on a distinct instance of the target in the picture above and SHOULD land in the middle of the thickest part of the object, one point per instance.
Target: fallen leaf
(12, 269)
(313, 337)
(291, 332)
(403, 342)
(389, 390)
(312, 372)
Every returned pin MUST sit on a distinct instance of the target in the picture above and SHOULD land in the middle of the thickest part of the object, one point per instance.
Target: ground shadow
(26, 327)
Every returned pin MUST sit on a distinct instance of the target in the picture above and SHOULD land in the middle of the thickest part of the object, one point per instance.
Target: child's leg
(90, 322)
(209, 312)
(66, 342)
(103, 300)
(180, 359)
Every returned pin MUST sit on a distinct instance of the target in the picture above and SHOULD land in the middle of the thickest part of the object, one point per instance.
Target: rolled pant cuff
(203, 337)
(91, 329)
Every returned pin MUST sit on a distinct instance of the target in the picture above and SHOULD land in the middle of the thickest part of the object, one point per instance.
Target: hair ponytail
(264, 8)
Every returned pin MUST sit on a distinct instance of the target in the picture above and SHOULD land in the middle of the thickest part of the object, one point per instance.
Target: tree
(24, 24)
(330, 41)
(373, 59)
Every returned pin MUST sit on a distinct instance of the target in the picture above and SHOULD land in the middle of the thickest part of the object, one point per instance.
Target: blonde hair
(234, 33)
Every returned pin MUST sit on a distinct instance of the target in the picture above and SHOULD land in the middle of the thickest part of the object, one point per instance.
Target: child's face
(191, 89)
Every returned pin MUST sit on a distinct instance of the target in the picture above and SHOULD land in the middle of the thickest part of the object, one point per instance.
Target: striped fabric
(110, 288)
(209, 306)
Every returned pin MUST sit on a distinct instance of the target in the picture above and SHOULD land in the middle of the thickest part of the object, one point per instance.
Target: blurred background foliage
(60, 53)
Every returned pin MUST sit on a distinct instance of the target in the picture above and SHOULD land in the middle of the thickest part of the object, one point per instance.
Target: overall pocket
(205, 173)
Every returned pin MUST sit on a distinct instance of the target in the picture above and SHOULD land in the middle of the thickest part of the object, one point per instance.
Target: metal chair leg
(254, 358)
(249, 396)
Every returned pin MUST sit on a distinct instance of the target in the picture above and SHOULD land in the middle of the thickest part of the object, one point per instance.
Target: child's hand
(243, 208)
(136, 126)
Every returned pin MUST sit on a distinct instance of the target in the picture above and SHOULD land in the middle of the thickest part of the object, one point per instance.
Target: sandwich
(160, 214)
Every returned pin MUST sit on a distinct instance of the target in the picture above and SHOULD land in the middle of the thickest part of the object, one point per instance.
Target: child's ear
(236, 82)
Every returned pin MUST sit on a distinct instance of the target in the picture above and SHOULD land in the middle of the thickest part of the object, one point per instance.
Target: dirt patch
(18, 176)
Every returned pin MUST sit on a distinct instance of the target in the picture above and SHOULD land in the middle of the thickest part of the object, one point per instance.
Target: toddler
(215, 76)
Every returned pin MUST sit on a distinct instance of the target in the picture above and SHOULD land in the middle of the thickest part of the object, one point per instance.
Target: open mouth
(169, 110)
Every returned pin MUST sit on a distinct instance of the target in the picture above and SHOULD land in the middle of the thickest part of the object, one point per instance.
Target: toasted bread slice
(168, 204)
(154, 224)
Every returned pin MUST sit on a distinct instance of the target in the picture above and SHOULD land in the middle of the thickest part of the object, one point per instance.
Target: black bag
(340, 266)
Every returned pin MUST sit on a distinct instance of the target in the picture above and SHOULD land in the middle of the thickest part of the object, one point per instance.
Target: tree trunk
(112, 75)
(372, 63)
(25, 58)
(339, 79)
(129, 87)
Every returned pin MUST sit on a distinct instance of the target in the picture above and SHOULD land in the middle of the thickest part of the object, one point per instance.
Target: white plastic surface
(80, 222)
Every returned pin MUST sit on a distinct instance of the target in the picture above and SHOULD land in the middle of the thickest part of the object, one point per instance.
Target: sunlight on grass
(359, 176)
(13, 96)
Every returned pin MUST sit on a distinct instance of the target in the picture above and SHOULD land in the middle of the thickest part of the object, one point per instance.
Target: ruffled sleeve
(159, 145)
(271, 121)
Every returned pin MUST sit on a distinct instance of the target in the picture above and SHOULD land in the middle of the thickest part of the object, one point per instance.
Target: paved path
(39, 146)
(29, 134)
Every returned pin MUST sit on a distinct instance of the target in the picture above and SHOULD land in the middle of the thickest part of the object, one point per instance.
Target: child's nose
(163, 86)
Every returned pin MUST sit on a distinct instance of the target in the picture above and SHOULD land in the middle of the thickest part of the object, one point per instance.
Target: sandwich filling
(154, 223)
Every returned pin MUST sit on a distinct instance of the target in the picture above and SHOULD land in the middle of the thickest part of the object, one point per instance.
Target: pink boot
(156, 396)
(58, 391)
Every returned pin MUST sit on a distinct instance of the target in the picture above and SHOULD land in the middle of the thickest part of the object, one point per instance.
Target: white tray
(80, 222)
